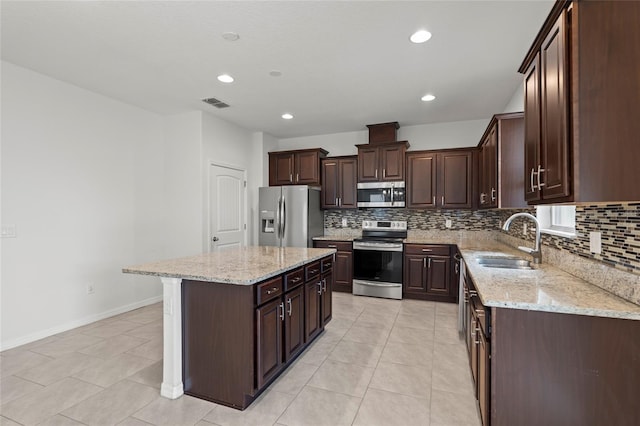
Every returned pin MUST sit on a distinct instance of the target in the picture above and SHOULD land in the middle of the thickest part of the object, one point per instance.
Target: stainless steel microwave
(381, 194)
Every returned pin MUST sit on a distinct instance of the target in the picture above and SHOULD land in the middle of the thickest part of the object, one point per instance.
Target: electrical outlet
(595, 242)
(8, 231)
(524, 229)
(447, 223)
(344, 222)
(90, 289)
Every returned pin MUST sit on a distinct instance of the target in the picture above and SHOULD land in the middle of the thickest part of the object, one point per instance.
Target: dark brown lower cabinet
(343, 265)
(238, 338)
(427, 273)
(269, 340)
(564, 369)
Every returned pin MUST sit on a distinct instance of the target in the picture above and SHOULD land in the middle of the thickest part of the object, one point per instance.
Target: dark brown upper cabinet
(300, 167)
(381, 162)
(581, 95)
(501, 161)
(339, 182)
(440, 179)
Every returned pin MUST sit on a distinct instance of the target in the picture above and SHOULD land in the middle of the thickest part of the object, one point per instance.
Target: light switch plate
(344, 222)
(447, 223)
(595, 242)
(9, 231)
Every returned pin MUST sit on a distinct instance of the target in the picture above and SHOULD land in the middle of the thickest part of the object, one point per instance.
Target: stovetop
(383, 230)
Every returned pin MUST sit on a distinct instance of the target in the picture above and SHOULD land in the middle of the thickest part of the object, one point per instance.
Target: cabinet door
(269, 340)
(330, 184)
(294, 322)
(343, 270)
(392, 162)
(455, 179)
(484, 377)
(415, 267)
(368, 164)
(555, 126)
(281, 169)
(327, 290)
(307, 168)
(347, 183)
(421, 180)
(473, 354)
(492, 167)
(439, 275)
(312, 295)
(532, 130)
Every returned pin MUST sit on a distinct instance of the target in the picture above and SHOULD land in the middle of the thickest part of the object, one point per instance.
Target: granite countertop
(245, 266)
(544, 288)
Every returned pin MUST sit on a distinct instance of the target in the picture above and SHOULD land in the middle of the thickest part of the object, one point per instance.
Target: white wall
(227, 144)
(516, 103)
(78, 172)
(457, 134)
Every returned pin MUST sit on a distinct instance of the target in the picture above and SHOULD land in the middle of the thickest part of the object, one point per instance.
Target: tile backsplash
(618, 223)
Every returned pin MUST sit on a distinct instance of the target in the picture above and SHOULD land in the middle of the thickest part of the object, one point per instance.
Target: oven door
(377, 272)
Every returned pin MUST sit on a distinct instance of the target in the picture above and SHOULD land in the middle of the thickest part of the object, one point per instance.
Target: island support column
(172, 386)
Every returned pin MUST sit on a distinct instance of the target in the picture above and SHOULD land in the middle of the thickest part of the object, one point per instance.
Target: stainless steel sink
(504, 262)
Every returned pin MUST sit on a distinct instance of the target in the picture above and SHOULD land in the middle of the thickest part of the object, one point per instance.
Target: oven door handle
(377, 247)
(373, 284)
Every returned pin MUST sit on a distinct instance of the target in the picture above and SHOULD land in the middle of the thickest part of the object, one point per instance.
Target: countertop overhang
(242, 266)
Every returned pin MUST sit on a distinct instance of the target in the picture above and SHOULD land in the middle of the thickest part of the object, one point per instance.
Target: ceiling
(344, 64)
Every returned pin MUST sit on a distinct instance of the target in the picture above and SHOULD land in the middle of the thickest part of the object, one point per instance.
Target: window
(557, 220)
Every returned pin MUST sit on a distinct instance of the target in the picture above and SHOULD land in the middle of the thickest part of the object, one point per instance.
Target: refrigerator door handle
(278, 218)
(283, 216)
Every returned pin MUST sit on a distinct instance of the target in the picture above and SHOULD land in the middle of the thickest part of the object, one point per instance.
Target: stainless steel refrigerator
(290, 216)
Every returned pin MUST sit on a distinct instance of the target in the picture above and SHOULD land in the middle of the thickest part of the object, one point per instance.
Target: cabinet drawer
(312, 270)
(268, 290)
(293, 279)
(427, 249)
(338, 245)
(326, 263)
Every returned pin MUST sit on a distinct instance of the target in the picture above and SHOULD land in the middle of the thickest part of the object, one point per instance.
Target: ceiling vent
(215, 102)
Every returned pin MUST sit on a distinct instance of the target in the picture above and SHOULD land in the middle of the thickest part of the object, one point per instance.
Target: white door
(227, 224)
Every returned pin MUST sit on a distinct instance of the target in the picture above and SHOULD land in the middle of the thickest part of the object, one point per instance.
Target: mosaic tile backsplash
(618, 223)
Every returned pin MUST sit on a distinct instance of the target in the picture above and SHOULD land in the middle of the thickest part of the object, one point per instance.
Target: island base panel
(218, 333)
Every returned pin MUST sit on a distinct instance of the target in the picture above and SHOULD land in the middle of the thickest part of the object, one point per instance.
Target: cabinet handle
(473, 329)
(313, 271)
(337, 202)
(340, 201)
(290, 306)
(324, 285)
(424, 262)
(429, 262)
(434, 200)
(332, 246)
(480, 312)
(319, 284)
(482, 198)
(457, 267)
(426, 250)
(282, 314)
(297, 177)
(540, 183)
(493, 194)
(476, 334)
(290, 178)
(273, 290)
(442, 199)
(384, 173)
(376, 173)
(295, 280)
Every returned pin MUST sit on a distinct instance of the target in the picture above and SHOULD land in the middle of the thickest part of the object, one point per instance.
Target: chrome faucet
(535, 251)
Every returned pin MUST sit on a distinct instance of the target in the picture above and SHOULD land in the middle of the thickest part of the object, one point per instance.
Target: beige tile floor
(379, 362)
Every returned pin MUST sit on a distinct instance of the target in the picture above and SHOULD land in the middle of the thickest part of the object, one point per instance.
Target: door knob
(214, 239)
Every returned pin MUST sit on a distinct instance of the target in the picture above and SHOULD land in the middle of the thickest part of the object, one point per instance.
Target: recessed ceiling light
(428, 98)
(420, 36)
(225, 78)
(275, 73)
(230, 36)
(287, 116)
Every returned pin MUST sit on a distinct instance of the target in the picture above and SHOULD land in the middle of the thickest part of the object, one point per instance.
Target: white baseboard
(78, 323)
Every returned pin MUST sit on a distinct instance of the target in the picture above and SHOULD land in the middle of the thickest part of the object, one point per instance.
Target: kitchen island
(234, 320)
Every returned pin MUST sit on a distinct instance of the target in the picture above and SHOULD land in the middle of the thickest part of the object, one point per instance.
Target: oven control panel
(382, 225)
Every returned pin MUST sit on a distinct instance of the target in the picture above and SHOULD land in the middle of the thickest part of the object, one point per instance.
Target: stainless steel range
(377, 259)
